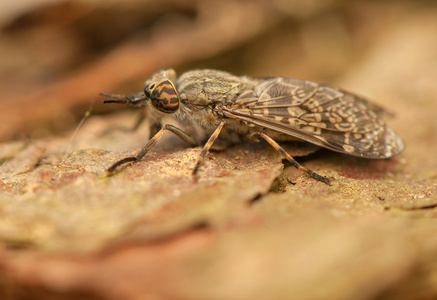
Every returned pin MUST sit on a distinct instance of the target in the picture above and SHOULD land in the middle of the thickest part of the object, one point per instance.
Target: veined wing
(319, 114)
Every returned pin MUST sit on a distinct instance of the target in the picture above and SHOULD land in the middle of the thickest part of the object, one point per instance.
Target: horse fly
(274, 109)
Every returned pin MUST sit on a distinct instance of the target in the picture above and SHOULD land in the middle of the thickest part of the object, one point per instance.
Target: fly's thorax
(208, 87)
(203, 94)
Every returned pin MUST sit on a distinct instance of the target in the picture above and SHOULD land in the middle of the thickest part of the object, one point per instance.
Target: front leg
(152, 143)
(207, 146)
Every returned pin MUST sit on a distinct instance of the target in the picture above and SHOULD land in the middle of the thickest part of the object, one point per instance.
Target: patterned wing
(319, 114)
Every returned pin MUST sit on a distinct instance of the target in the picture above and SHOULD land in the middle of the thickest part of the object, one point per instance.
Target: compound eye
(163, 96)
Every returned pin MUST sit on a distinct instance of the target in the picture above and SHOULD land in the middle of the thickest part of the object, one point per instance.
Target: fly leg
(291, 159)
(152, 143)
(207, 146)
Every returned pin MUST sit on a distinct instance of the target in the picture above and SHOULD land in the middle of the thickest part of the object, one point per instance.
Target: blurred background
(56, 56)
(371, 235)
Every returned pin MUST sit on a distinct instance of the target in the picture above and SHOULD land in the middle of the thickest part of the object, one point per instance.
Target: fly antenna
(123, 99)
(116, 98)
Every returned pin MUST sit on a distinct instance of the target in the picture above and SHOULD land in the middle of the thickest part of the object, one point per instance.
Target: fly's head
(159, 90)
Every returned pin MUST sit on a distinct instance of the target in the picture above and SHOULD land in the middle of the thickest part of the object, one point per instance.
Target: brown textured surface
(249, 228)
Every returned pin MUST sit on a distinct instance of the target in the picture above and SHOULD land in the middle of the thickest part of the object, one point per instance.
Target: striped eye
(163, 96)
